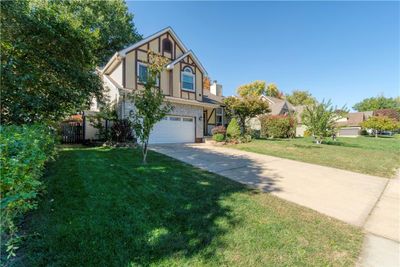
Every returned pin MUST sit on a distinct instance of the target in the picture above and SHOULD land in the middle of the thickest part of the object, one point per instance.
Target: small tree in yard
(380, 123)
(150, 106)
(320, 120)
(245, 108)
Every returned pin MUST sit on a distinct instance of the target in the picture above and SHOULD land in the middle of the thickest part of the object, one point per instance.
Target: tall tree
(50, 50)
(300, 98)
(150, 106)
(255, 88)
(47, 63)
(245, 108)
(110, 20)
(272, 90)
(378, 102)
(320, 120)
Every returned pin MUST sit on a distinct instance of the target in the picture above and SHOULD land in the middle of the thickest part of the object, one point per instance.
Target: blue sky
(344, 51)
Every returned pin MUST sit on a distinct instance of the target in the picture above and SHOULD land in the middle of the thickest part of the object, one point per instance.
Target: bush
(218, 130)
(219, 137)
(277, 126)
(121, 130)
(255, 134)
(233, 130)
(24, 152)
(306, 133)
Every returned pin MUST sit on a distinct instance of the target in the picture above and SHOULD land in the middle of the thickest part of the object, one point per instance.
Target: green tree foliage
(110, 20)
(380, 123)
(50, 51)
(233, 130)
(24, 152)
(299, 98)
(47, 63)
(272, 90)
(378, 102)
(320, 120)
(256, 88)
(245, 108)
(277, 126)
(150, 106)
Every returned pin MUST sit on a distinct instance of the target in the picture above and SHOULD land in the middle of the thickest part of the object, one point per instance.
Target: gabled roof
(121, 54)
(277, 105)
(355, 118)
(124, 51)
(171, 65)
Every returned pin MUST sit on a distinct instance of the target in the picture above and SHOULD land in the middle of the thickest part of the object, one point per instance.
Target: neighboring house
(277, 107)
(196, 109)
(350, 126)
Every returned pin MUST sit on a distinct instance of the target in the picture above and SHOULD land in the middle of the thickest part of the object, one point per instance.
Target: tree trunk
(144, 151)
(376, 133)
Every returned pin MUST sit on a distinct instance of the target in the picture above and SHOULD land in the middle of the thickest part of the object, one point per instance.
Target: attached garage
(173, 129)
(349, 131)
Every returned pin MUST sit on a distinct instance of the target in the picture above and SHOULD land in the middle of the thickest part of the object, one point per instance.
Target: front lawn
(103, 208)
(375, 156)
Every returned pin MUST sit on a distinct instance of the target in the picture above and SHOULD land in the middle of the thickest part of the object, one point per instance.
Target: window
(174, 119)
(167, 45)
(218, 116)
(187, 119)
(142, 74)
(188, 79)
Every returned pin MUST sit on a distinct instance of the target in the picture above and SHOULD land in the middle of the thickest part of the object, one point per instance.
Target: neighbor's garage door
(349, 131)
(173, 129)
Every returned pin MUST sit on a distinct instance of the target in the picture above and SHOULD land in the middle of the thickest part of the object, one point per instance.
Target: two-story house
(196, 109)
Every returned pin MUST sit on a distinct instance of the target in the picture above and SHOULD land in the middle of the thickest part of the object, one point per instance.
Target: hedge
(24, 152)
(277, 126)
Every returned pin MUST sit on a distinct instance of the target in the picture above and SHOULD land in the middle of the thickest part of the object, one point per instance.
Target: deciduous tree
(380, 123)
(256, 88)
(378, 102)
(320, 120)
(150, 105)
(245, 108)
(299, 98)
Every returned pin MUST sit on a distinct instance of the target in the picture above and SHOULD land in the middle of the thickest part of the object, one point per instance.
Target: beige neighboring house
(277, 107)
(196, 109)
(350, 126)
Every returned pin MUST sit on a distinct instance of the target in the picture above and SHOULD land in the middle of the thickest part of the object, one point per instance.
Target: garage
(349, 131)
(173, 129)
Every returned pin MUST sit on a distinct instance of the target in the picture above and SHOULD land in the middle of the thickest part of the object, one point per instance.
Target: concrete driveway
(363, 200)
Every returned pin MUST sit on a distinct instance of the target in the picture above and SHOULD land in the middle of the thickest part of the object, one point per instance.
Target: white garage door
(173, 129)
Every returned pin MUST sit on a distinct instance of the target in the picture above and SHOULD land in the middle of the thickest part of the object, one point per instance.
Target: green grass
(375, 156)
(103, 208)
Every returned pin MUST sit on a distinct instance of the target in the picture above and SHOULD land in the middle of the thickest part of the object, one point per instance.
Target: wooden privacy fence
(72, 132)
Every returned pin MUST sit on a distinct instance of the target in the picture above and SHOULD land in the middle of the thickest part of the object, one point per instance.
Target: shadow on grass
(104, 208)
(343, 144)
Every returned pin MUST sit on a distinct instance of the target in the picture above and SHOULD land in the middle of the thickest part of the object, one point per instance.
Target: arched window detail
(188, 79)
(167, 45)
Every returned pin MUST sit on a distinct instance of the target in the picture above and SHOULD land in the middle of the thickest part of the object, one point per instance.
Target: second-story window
(188, 79)
(142, 74)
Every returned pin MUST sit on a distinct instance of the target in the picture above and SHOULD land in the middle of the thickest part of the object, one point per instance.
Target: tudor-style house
(197, 107)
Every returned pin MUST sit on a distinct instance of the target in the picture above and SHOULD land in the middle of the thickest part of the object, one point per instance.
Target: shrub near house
(24, 152)
(277, 126)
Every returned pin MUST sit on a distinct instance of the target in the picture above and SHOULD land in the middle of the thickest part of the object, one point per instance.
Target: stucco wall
(116, 74)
